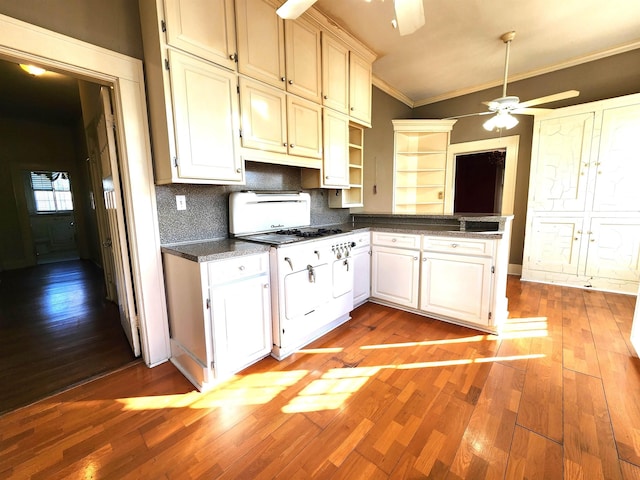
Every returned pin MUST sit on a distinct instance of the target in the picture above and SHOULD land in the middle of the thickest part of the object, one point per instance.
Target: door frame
(510, 144)
(21, 42)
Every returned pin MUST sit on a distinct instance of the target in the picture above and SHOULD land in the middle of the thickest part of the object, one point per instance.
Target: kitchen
(194, 194)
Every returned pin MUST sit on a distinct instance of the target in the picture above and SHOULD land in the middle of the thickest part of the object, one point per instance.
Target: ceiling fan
(505, 106)
(409, 13)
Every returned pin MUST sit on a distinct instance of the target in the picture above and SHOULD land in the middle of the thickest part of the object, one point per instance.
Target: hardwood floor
(388, 395)
(56, 330)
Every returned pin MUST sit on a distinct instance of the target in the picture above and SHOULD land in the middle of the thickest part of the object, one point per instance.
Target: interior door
(115, 217)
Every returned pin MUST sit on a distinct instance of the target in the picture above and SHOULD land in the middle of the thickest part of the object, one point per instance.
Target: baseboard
(514, 269)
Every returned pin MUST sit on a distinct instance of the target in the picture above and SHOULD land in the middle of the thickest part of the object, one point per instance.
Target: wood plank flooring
(389, 395)
(56, 329)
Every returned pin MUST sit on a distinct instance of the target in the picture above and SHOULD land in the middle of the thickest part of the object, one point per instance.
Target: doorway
(57, 325)
(479, 181)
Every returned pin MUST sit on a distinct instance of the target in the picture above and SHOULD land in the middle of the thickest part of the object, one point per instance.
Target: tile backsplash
(207, 217)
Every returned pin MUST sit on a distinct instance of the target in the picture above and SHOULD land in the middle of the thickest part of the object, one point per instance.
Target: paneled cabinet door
(618, 164)
(205, 28)
(335, 162)
(553, 244)
(264, 118)
(614, 248)
(205, 114)
(394, 275)
(359, 89)
(560, 163)
(304, 127)
(303, 59)
(335, 74)
(260, 42)
(361, 275)
(240, 313)
(471, 276)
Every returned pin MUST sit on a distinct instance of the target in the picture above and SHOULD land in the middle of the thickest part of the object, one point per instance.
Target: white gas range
(311, 268)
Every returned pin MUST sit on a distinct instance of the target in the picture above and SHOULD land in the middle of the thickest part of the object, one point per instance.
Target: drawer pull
(241, 268)
(394, 240)
(454, 245)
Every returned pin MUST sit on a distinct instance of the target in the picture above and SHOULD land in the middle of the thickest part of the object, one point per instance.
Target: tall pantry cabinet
(583, 219)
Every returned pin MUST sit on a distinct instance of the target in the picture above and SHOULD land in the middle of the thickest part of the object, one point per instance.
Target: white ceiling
(459, 51)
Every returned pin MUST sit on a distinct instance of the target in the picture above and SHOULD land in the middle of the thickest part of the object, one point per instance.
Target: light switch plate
(181, 202)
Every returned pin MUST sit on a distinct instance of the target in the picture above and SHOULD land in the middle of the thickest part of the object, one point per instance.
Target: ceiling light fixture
(292, 9)
(502, 119)
(32, 69)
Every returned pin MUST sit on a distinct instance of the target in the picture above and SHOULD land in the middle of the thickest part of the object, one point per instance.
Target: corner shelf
(352, 196)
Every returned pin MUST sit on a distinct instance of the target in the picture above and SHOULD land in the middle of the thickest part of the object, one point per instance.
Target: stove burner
(320, 232)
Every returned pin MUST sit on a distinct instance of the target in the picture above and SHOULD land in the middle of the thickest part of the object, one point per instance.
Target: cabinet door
(560, 163)
(205, 114)
(457, 286)
(395, 275)
(362, 275)
(614, 248)
(304, 127)
(618, 164)
(302, 58)
(359, 89)
(240, 313)
(553, 244)
(205, 28)
(263, 117)
(335, 162)
(260, 42)
(335, 74)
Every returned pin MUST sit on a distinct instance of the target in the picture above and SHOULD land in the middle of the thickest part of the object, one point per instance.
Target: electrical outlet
(181, 202)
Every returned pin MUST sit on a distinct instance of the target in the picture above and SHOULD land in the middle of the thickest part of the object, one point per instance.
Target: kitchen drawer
(469, 246)
(362, 239)
(399, 240)
(225, 271)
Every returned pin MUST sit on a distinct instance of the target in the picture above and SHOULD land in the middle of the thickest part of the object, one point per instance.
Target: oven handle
(288, 260)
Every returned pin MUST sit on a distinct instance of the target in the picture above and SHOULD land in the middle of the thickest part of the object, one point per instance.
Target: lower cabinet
(458, 286)
(395, 272)
(219, 315)
(361, 254)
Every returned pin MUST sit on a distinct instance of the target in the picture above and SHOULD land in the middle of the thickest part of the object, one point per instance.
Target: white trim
(391, 91)
(21, 41)
(635, 326)
(511, 166)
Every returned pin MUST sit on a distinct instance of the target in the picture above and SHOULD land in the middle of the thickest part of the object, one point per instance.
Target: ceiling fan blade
(468, 115)
(292, 9)
(530, 111)
(409, 15)
(550, 98)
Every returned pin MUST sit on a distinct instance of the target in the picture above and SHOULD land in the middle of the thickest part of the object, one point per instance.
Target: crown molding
(393, 92)
(533, 73)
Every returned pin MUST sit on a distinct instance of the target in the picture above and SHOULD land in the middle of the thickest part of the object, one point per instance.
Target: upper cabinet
(283, 54)
(193, 102)
(335, 74)
(205, 28)
(359, 89)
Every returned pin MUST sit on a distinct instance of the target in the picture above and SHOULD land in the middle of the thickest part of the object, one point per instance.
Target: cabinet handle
(325, 97)
(327, 177)
(238, 170)
(234, 57)
(282, 79)
(290, 82)
(241, 268)
(424, 259)
(415, 258)
(352, 109)
(284, 144)
(394, 240)
(454, 245)
(291, 145)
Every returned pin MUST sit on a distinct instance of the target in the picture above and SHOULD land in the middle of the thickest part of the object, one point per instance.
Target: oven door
(306, 290)
(342, 277)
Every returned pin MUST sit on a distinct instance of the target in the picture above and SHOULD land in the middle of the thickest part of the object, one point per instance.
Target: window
(51, 191)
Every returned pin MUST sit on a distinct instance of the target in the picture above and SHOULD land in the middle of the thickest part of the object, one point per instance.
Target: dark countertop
(446, 226)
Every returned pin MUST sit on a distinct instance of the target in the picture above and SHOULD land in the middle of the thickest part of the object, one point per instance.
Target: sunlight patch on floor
(475, 338)
(524, 328)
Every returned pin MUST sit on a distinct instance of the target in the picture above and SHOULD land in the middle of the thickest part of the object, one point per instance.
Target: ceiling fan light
(500, 120)
(292, 9)
(409, 15)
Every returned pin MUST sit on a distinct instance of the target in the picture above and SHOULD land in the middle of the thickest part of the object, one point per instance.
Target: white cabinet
(361, 254)
(280, 123)
(457, 284)
(335, 74)
(205, 28)
(193, 103)
(219, 315)
(285, 54)
(359, 89)
(584, 208)
(395, 268)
